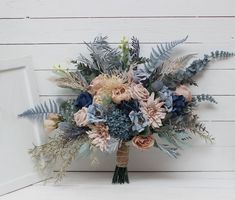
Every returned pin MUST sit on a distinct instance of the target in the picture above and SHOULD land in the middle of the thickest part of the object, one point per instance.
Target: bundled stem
(121, 173)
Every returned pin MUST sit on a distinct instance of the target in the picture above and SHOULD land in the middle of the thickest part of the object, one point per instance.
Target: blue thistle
(119, 124)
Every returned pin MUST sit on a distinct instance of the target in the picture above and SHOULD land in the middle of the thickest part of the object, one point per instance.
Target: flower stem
(121, 173)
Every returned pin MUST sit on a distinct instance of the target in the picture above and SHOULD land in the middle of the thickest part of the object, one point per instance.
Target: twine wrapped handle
(121, 173)
(122, 155)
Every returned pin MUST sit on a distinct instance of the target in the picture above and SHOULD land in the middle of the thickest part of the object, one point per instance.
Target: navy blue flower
(83, 100)
(128, 106)
(179, 104)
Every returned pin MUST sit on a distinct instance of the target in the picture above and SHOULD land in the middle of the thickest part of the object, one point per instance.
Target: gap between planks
(118, 17)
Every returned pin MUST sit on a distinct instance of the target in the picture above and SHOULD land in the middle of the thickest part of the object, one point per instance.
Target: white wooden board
(50, 31)
(160, 185)
(18, 92)
(113, 8)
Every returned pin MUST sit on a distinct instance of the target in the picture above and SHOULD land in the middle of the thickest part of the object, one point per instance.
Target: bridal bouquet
(123, 100)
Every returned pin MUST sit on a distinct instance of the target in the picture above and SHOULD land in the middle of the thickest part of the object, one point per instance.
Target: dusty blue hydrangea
(166, 96)
(139, 121)
(96, 113)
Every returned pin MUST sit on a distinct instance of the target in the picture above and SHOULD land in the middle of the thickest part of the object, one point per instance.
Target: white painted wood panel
(167, 186)
(18, 91)
(147, 29)
(201, 158)
(45, 56)
(113, 8)
(52, 32)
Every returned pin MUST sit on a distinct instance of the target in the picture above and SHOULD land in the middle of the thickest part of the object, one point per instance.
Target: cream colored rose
(143, 142)
(80, 117)
(139, 92)
(51, 123)
(185, 91)
(120, 94)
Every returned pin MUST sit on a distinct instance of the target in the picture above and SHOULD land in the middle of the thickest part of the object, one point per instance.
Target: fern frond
(135, 49)
(160, 54)
(104, 59)
(172, 65)
(204, 97)
(41, 111)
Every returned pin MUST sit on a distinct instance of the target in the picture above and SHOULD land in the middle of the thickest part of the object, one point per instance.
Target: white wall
(52, 32)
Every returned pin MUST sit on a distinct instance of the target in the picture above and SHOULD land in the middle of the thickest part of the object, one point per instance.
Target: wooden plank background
(52, 32)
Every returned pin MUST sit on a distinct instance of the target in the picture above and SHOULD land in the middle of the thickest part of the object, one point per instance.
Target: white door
(17, 93)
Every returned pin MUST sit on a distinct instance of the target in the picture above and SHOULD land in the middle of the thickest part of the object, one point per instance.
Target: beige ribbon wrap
(122, 155)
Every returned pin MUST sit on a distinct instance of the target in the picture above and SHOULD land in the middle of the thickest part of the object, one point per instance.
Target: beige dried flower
(100, 97)
(97, 83)
(80, 117)
(99, 136)
(52, 121)
(153, 110)
(185, 91)
(143, 142)
(120, 94)
(139, 92)
(106, 83)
